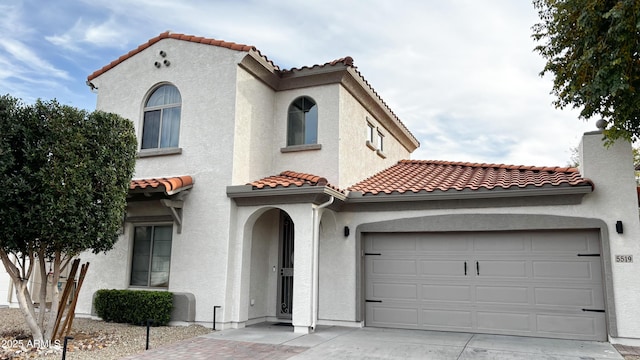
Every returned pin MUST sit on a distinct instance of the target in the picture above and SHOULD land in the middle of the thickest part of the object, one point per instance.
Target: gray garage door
(543, 284)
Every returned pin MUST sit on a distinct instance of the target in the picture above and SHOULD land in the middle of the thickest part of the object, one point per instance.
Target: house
(264, 194)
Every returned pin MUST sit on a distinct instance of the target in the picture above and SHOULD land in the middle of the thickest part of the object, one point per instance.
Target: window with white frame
(380, 141)
(370, 132)
(151, 256)
(302, 122)
(161, 122)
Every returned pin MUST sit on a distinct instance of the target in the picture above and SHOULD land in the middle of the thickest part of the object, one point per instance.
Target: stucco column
(615, 199)
(302, 270)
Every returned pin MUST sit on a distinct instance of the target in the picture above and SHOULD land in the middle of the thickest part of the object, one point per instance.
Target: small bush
(134, 306)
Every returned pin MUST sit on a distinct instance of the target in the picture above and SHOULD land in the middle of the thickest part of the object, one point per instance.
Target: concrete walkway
(269, 341)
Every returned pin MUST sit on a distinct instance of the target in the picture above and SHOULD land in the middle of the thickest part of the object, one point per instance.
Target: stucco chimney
(612, 171)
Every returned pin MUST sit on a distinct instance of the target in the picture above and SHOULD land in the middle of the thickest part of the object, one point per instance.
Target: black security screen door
(285, 280)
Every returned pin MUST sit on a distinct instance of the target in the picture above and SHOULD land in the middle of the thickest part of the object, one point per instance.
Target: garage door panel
(393, 316)
(394, 267)
(585, 297)
(488, 243)
(448, 293)
(461, 320)
(503, 294)
(444, 243)
(440, 268)
(500, 268)
(504, 321)
(572, 242)
(567, 270)
(401, 243)
(382, 290)
(587, 327)
(529, 283)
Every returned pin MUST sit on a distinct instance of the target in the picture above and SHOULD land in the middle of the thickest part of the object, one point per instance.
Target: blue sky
(461, 74)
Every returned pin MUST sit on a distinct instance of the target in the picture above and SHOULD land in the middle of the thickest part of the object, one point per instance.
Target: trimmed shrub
(134, 306)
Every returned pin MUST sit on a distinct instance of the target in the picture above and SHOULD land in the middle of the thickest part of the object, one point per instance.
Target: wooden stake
(71, 313)
(65, 296)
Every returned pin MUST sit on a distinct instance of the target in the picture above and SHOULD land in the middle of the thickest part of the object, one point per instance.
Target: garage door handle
(477, 268)
(593, 310)
(465, 268)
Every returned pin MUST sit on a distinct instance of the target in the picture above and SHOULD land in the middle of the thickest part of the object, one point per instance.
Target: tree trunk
(42, 270)
(20, 280)
(26, 306)
(55, 298)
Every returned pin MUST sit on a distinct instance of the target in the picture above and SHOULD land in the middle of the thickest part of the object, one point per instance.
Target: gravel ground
(92, 339)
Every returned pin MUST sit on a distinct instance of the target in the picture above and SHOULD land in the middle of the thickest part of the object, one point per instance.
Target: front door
(285, 264)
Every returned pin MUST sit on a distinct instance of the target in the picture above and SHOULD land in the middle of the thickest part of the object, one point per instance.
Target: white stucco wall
(254, 145)
(357, 161)
(317, 162)
(5, 280)
(206, 78)
(344, 158)
(615, 199)
(337, 264)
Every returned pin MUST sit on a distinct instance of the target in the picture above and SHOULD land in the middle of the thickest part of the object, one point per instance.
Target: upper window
(161, 124)
(370, 131)
(151, 256)
(302, 124)
(380, 141)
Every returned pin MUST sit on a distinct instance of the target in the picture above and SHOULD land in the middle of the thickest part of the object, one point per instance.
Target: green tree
(64, 175)
(593, 49)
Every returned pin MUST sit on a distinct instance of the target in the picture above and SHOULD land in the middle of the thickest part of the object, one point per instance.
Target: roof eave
(247, 191)
(358, 197)
(362, 91)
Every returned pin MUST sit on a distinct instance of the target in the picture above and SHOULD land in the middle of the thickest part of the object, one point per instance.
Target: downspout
(315, 272)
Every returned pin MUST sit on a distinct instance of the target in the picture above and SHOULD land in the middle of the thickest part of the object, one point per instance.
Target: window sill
(371, 145)
(147, 288)
(159, 152)
(306, 147)
(381, 154)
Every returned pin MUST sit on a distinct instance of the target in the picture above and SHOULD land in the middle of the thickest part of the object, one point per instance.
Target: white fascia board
(246, 191)
(357, 197)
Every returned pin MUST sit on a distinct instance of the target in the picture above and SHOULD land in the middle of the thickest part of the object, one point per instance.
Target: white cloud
(108, 34)
(28, 58)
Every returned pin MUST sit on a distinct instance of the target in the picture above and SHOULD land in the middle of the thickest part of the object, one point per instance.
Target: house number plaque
(624, 258)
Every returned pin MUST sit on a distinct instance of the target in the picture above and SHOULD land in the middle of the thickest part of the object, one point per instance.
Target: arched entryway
(272, 266)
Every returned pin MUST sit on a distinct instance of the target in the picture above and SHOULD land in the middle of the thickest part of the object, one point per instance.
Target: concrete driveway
(269, 341)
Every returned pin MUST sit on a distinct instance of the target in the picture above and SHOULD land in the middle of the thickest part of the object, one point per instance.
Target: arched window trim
(305, 133)
(160, 125)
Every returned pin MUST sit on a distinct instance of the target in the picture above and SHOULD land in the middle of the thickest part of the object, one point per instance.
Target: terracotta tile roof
(290, 179)
(169, 185)
(429, 176)
(170, 35)
(346, 61)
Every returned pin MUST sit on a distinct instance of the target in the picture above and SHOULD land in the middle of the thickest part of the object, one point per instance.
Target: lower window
(151, 256)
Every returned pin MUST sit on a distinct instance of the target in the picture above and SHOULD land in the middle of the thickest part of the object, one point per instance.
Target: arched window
(161, 124)
(302, 123)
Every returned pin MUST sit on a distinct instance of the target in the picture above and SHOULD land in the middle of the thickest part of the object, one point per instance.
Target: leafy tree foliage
(593, 49)
(64, 177)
